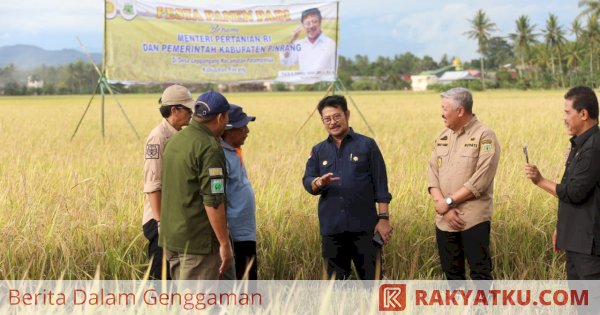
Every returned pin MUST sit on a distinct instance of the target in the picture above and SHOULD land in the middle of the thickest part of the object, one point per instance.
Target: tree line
(529, 57)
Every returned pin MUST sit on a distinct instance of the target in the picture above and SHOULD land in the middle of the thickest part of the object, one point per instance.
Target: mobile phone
(377, 239)
(526, 153)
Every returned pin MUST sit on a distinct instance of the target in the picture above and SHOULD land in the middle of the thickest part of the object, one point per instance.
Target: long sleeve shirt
(348, 205)
(579, 196)
(466, 158)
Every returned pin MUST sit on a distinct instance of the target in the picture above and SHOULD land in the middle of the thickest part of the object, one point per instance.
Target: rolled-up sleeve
(153, 164)
(380, 181)
(487, 164)
(433, 172)
(311, 172)
(583, 180)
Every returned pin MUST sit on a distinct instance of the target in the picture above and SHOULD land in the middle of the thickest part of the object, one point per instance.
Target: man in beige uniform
(461, 179)
(176, 108)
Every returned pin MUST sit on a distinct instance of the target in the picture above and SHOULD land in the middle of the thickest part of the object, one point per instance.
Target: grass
(69, 208)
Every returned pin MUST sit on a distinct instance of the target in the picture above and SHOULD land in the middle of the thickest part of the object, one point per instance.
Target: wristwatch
(383, 216)
(450, 202)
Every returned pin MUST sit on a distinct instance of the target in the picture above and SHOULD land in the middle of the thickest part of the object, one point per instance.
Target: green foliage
(280, 87)
(364, 85)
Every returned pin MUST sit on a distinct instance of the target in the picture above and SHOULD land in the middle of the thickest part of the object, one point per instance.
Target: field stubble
(71, 209)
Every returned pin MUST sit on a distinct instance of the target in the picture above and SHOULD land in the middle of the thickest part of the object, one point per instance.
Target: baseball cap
(211, 103)
(237, 117)
(310, 11)
(177, 95)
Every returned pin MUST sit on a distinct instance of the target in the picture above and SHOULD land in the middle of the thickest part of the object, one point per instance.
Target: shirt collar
(578, 141)
(351, 134)
(319, 39)
(168, 126)
(196, 125)
(468, 125)
(227, 146)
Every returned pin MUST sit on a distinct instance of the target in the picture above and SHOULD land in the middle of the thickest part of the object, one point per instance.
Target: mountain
(29, 57)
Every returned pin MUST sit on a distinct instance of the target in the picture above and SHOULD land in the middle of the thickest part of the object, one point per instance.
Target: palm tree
(590, 7)
(592, 34)
(540, 59)
(576, 29)
(574, 56)
(523, 39)
(481, 28)
(555, 39)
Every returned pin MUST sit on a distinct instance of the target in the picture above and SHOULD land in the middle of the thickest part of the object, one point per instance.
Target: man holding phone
(578, 227)
(348, 172)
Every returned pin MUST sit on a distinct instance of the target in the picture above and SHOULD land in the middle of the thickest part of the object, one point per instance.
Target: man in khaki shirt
(176, 108)
(461, 179)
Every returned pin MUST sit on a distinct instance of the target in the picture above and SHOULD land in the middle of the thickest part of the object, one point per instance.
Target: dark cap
(237, 117)
(211, 103)
(310, 11)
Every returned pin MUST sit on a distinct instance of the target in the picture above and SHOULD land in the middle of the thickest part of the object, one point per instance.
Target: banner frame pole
(103, 84)
(329, 90)
(356, 106)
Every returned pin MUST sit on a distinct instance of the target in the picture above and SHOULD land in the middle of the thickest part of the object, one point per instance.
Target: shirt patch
(215, 171)
(152, 151)
(325, 163)
(216, 186)
(487, 146)
(439, 160)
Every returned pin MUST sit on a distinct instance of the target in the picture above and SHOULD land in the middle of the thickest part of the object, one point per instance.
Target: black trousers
(340, 250)
(154, 251)
(245, 253)
(474, 244)
(582, 266)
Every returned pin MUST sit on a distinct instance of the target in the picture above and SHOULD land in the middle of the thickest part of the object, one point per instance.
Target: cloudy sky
(367, 27)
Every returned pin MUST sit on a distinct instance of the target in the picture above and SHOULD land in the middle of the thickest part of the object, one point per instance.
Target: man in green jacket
(194, 229)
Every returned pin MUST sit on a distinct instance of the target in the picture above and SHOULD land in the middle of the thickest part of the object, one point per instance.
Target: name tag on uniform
(216, 186)
(215, 172)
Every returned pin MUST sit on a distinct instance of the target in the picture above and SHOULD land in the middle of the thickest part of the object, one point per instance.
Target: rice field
(72, 209)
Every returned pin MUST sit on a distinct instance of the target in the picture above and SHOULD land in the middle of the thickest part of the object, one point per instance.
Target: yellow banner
(148, 41)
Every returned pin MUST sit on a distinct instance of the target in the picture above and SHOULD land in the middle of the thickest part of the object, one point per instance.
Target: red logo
(392, 297)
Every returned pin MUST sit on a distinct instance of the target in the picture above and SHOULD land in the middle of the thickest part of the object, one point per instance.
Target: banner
(152, 42)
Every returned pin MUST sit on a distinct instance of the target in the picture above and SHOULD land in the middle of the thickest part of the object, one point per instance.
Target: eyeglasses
(183, 107)
(308, 22)
(335, 118)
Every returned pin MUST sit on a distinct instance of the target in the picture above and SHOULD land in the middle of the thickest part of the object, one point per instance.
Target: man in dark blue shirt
(348, 171)
(578, 227)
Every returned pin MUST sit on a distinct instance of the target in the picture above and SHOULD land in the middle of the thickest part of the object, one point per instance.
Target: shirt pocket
(441, 153)
(359, 162)
(467, 159)
(581, 162)
(326, 166)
